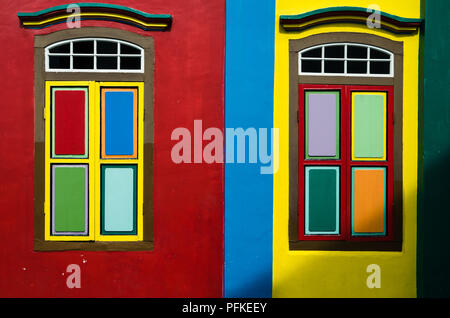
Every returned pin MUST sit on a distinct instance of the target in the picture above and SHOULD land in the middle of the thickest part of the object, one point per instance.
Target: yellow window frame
(94, 161)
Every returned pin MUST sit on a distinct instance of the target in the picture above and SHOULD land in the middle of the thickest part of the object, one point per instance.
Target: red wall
(188, 199)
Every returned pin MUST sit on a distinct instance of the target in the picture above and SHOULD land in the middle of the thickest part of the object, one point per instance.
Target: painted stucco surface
(222, 230)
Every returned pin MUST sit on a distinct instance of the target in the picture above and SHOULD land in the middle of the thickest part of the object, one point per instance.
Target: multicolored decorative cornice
(95, 11)
(358, 15)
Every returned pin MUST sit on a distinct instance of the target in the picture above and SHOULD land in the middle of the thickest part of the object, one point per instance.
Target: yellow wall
(336, 273)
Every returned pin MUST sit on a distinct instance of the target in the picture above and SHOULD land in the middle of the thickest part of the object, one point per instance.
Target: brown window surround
(397, 82)
(40, 77)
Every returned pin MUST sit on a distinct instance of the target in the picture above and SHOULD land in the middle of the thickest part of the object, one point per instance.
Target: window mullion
(380, 68)
(118, 56)
(95, 164)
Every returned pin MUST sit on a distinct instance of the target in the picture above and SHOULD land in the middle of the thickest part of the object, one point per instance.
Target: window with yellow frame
(94, 154)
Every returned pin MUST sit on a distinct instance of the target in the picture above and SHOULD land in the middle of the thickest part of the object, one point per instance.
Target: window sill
(48, 246)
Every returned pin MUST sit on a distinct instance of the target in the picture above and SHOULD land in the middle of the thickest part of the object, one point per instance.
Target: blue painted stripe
(119, 123)
(249, 66)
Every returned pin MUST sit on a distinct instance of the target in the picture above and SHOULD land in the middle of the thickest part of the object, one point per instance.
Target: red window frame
(345, 162)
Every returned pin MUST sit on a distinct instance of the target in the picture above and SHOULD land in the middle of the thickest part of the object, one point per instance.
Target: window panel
(322, 200)
(119, 123)
(368, 201)
(313, 53)
(119, 199)
(360, 60)
(356, 51)
(69, 200)
(63, 48)
(94, 55)
(368, 126)
(130, 63)
(322, 124)
(69, 122)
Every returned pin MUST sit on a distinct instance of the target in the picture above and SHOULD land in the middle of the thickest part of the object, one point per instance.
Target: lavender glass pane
(322, 111)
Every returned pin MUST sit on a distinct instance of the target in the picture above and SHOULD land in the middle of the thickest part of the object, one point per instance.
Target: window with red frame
(345, 163)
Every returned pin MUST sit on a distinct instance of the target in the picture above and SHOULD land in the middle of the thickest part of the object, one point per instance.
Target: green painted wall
(434, 164)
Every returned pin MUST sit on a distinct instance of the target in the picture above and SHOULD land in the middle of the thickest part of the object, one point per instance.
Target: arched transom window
(348, 59)
(344, 93)
(94, 55)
